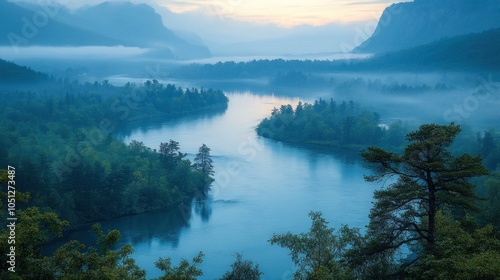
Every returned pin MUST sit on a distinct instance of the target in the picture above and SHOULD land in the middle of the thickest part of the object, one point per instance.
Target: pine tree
(429, 179)
(170, 155)
(203, 162)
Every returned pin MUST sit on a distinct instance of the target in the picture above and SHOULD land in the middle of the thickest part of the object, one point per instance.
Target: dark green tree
(429, 178)
(185, 270)
(319, 253)
(203, 162)
(170, 154)
(33, 228)
(490, 207)
(74, 260)
(461, 252)
(242, 270)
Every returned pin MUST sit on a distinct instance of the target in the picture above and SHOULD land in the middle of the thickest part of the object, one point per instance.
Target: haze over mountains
(107, 24)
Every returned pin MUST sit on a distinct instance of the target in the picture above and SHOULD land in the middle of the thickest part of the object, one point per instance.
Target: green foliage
(33, 228)
(242, 270)
(429, 178)
(461, 253)
(170, 155)
(490, 205)
(329, 123)
(185, 270)
(319, 253)
(204, 163)
(74, 260)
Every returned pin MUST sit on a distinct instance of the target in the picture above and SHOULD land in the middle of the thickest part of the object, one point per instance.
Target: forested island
(332, 124)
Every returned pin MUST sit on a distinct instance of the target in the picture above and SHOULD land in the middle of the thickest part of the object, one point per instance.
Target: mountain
(136, 25)
(107, 24)
(411, 24)
(23, 27)
(471, 52)
(11, 73)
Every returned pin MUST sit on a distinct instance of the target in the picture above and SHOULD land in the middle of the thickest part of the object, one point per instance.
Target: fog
(471, 99)
(442, 96)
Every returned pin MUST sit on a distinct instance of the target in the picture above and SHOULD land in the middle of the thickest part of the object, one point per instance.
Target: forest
(63, 143)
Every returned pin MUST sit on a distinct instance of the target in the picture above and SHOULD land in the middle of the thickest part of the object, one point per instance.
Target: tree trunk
(431, 237)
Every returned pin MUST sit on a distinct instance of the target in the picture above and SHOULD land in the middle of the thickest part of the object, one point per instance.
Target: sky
(284, 13)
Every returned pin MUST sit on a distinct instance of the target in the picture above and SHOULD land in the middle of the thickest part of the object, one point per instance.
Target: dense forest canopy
(63, 144)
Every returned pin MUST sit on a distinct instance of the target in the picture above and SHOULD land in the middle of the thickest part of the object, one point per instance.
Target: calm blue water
(262, 187)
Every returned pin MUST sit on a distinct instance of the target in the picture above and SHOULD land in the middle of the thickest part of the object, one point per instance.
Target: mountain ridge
(105, 24)
(12, 73)
(23, 27)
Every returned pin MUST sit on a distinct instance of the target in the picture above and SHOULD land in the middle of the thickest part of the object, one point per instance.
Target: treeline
(252, 69)
(63, 144)
(300, 74)
(12, 73)
(298, 79)
(330, 123)
(470, 52)
(377, 85)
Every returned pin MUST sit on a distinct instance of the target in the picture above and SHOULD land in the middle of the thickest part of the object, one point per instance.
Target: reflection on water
(163, 226)
(261, 187)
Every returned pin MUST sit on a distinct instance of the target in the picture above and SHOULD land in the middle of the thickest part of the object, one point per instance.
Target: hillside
(107, 24)
(134, 25)
(19, 30)
(411, 24)
(11, 73)
(477, 51)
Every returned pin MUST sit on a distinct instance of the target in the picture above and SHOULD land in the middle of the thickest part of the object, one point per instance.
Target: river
(262, 187)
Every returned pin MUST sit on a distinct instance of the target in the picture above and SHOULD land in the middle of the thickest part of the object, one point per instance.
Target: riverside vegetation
(422, 226)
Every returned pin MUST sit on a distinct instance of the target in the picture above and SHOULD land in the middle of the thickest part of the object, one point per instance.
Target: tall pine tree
(429, 178)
